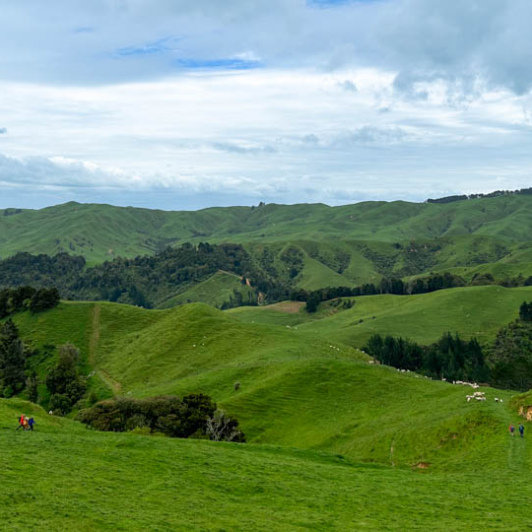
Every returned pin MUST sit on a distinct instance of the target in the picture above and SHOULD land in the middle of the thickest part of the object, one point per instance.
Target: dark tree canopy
(450, 358)
(12, 360)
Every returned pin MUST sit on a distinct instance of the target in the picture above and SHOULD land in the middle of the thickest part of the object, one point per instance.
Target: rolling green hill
(336, 443)
(215, 291)
(99, 232)
(478, 311)
(302, 387)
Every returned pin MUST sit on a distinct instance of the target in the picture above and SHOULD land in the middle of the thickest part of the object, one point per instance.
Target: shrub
(170, 415)
(60, 404)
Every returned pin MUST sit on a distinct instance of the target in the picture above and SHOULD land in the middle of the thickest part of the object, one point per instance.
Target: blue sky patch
(334, 3)
(156, 47)
(231, 63)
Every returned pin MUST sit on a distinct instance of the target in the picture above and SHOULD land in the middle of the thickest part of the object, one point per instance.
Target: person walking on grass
(31, 422)
(522, 431)
(21, 422)
(511, 428)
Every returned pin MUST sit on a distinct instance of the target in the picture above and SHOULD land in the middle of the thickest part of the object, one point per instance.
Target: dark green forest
(148, 281)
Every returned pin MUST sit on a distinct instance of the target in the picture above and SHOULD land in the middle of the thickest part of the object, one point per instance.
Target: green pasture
(478, 311)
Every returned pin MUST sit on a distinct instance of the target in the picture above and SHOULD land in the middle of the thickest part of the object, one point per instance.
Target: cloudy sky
(181, 104)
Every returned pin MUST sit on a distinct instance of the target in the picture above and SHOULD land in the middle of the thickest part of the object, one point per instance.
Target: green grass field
(64, 477)
(413, 454)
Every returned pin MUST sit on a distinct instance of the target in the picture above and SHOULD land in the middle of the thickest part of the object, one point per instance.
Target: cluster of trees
(395, 286)
(27, 298)
(510, 355)
(12, 360)
(237, 299)
(450, 358)
(194, 415)
(506, 363)
(64, 382)
(525, 311)
(41, 271)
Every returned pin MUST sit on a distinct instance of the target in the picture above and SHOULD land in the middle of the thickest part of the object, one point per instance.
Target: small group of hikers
(25, 423)
(511, 428)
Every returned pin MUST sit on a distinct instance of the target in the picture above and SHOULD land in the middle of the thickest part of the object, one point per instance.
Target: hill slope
(63, 477)
(478, 311)
(294, 389)
(364, 446)
(102, 231)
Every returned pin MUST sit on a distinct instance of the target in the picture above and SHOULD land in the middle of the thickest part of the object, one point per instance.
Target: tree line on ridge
(505, 363)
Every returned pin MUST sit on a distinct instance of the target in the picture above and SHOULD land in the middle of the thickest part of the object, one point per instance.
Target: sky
(174, 104)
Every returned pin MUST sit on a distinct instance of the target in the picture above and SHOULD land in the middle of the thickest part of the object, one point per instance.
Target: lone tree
(64, 382)
(222, 428)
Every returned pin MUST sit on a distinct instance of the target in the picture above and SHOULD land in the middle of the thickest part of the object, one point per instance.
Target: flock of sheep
(477, 396)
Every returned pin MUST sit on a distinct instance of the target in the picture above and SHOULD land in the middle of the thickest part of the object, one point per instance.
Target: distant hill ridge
(100, 232)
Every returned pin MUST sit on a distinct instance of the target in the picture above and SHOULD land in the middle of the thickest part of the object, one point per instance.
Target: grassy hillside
(64, 477)
(215, 291)
(336, 443)
(478, 311)
(99, 232)
(298, 388)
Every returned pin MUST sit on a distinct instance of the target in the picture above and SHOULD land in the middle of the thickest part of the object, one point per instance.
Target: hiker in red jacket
(21, 422)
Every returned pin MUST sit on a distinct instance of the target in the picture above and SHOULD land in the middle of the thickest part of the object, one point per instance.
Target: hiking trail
(93, 349)
(517, 454)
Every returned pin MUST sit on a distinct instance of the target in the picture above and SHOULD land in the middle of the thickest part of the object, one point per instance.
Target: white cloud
(398, 98)
(287, 136)
(77, 41)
